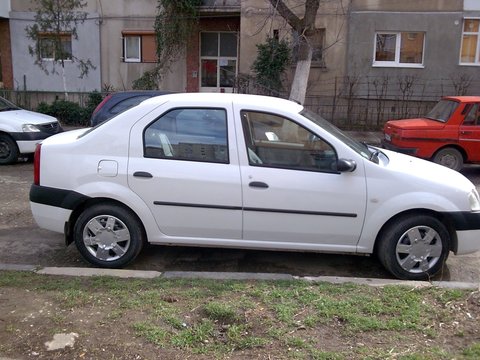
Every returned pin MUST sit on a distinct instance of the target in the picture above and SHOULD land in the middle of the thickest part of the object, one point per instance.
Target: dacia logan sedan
(246, 171)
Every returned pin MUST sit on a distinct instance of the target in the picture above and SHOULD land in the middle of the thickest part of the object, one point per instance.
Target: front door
(469, 133)
(292, 195)
(218, 61)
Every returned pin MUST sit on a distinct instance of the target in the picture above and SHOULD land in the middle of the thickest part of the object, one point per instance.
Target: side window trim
(169, 149)
(255, 159)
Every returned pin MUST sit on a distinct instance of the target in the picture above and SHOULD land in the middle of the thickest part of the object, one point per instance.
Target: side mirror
(344, 165)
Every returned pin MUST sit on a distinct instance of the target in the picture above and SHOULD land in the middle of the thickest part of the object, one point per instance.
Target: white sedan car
(245, 171)
(21, 130)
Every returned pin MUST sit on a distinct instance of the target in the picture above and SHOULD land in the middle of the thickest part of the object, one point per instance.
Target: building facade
(370, 50)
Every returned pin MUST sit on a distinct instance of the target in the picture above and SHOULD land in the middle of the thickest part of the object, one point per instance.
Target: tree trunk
(304, 28)
(302, 72)
(64, 78)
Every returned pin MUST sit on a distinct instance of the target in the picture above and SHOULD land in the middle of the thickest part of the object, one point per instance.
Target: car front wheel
(449, 157)
(8, 150)
(414, 247)
(108, 235)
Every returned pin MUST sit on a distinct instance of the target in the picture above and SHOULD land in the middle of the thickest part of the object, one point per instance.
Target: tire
(108, 235)
(414, 247)
(449, 157)
(8, 150)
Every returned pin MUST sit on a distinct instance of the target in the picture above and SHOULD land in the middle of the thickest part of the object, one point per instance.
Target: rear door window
(193, 134)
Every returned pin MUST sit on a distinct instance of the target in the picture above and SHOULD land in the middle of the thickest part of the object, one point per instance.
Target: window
(316, 42)
(55, 47)
(469, 53)
(273, 141)
(402, 49)
(188, 134)
(139, 46)
(218, 57)
(473, 116)
(442, 111)
(128, 103)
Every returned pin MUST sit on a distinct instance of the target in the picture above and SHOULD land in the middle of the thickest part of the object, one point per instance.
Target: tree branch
(293, 20)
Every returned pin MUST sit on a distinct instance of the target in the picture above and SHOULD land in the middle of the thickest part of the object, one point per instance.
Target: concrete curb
(143, 274)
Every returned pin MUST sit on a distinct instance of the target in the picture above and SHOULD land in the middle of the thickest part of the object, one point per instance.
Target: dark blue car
(118, 102)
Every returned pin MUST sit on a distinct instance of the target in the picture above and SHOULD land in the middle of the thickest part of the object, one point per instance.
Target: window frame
(65, 37)
(247, 135)
(398, 46)
(132, 59)
(227, 147)
(318, 61)
(218, 58)
(477, 52)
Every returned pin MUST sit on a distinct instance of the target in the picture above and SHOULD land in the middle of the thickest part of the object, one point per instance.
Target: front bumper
(467, 228)
(407, 151)
(27, 141)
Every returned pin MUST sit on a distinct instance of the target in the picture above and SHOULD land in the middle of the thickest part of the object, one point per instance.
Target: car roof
(463, 98)
(267, 102)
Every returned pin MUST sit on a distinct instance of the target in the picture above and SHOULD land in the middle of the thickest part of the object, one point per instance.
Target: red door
(469, 133)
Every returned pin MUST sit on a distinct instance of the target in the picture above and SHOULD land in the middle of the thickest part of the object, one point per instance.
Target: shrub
(272, 59)
(69, 112)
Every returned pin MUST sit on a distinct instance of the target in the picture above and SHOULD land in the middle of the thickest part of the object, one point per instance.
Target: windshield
(355, 145)
(6, 105)
(443, 110)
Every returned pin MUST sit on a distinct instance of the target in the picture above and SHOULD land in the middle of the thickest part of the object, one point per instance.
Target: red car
(448, 135)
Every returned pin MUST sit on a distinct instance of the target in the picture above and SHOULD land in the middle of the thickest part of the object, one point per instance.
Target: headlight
(474, 200)
(30, 128)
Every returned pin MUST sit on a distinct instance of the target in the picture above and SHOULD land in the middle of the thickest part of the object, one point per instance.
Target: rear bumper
(389, 146)
(50, 217)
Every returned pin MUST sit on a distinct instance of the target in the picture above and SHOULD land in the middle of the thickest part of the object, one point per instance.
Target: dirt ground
(104, 326)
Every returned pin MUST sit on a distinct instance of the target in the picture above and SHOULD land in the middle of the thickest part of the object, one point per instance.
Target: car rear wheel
(8, 150)
(108, 235)
(414, 247)
(449, 157)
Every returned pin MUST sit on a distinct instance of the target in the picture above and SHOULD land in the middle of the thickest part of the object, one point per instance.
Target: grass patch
(257, 319)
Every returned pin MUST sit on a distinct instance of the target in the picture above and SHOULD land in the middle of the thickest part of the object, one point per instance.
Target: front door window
(218, 61)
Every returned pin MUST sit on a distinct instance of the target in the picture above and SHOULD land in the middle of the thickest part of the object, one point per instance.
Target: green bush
(273, 57)
(69, 112)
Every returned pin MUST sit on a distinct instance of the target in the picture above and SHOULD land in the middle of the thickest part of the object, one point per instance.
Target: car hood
(425, 172)
(21, 117)
(414, 124)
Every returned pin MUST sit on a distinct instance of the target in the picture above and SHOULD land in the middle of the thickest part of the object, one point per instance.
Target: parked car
(246, 171)
(448, 135)
(21, 130)
(115, 103)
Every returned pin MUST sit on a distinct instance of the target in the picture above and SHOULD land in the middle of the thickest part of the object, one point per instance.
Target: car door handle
(465, 132)
(258, 184)
(142, 174)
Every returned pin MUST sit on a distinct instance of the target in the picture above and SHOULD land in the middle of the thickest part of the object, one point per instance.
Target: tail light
(36, 165)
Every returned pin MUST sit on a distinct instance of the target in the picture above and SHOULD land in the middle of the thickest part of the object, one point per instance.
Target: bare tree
(305, 29)
(56, 23)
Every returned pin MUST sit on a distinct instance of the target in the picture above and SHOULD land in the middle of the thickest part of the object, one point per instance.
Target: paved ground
(22, 242)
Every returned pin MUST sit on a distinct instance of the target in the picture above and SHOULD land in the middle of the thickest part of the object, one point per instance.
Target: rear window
(443, 110)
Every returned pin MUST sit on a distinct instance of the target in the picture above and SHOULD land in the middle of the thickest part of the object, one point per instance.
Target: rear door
(469, 132)
(181, 165)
